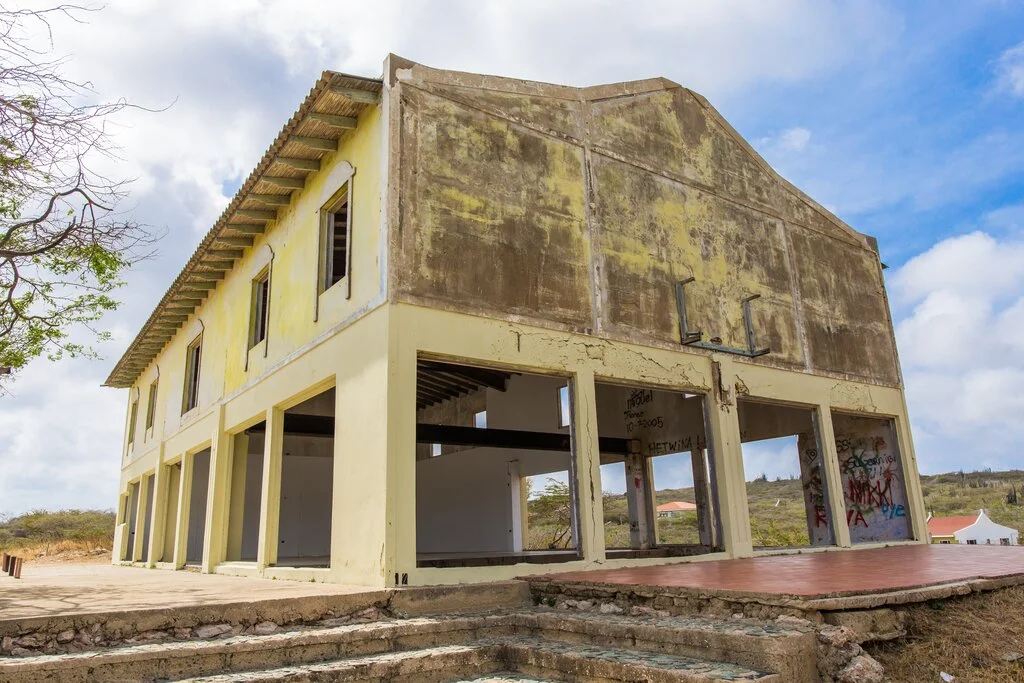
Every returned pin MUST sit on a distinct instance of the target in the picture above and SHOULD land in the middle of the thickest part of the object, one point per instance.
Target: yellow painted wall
(294, 242)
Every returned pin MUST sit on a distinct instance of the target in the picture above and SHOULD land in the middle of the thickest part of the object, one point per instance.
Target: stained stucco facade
(509, 228)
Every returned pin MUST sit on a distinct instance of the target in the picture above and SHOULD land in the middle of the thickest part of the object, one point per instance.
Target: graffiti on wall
(872, 478)
(663, 421)
(812, 479)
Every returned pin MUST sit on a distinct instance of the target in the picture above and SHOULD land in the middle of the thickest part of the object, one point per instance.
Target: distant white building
(970, 530)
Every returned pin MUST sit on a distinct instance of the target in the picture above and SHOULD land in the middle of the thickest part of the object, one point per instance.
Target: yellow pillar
(140, 520)
(833, 476)
(398, 538)
(184, 503)
(236, 495)
(725, 439)
(218, 499)
(588, 466)
(270, 496)
(158, 525)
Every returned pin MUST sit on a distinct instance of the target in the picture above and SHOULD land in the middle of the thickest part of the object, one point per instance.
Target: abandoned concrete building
(438, 291)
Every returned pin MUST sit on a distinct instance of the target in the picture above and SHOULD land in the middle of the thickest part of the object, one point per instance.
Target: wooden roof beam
(199, 286)
(255, 214)
(234, 241)
(299, 164)
(210, 275)
(323, 144)
(359, 96)
(333, 120)
(293, 183)
(224, 253)
(272, 199)
(218, 265)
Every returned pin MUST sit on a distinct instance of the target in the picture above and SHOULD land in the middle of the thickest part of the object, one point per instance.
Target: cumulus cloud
(1010, 69)
(960, 331)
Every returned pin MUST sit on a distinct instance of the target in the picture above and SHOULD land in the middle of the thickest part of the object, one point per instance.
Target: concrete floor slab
(70, 589)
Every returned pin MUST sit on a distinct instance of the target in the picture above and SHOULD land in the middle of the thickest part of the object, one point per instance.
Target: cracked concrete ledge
(71, 632)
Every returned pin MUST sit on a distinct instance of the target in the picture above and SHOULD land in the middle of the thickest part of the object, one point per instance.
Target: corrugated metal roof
(334, 101)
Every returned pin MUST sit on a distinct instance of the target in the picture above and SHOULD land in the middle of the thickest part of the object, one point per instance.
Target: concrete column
(218, 496)
(724, 432)
(140, 520)
(159, 525)
(638, 501)
(270, 496)
(236, 495)
(833, 476)
(702, 498)
(590, 502)
(184, 504)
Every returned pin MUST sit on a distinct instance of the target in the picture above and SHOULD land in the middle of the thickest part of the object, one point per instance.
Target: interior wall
(466, 500)
(197, 506)
(307, 468)
(872, 479)
(251, 513)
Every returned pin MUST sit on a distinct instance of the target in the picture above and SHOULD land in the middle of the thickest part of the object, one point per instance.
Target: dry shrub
(966, 637)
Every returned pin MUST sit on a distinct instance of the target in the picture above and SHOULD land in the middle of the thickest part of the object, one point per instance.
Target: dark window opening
(192, 362)
(151, 405)
(260, 307)
(337, 234)
(133, 415)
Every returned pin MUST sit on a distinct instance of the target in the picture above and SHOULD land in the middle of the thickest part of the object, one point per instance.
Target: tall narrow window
(260, 307)
(192, 358)
(564, 411)
(151, 405)
(133, 416)
(337, 235)
(480, 420)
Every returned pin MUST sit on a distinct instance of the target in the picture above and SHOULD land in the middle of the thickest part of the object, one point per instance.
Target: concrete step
(748, 645)
(542, 660)
(784, 648)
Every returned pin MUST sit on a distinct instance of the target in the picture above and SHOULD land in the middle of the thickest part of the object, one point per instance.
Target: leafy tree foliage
(64, 247)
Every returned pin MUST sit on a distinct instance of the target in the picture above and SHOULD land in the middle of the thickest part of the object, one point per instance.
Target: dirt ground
(972, 638)
(62, 552)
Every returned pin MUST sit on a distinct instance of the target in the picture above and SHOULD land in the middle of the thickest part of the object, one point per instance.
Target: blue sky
(906, 119)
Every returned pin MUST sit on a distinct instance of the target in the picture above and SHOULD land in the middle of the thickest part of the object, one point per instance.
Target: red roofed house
(675, 508)
(971, 530)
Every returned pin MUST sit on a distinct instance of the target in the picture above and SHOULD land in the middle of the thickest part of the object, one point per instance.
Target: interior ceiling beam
(257, 214)
(234, 241)
(300, 164)
(224, 253)
(324, 144)
(297, 423)
(359, 96)
(271, 199)
(450, 435)
(333, 120)
(293, 183)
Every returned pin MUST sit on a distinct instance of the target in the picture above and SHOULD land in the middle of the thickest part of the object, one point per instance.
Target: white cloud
(960, 330)
(1010, 69)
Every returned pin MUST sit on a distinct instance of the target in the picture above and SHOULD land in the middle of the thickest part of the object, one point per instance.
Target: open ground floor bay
(417, 446)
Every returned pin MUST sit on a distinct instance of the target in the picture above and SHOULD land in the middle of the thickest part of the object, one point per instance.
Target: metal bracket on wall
(689, 337)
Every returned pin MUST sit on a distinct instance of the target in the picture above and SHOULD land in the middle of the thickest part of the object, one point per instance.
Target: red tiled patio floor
(824, 574)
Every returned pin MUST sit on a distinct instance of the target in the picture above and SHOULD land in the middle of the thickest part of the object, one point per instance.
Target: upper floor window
(260, 307)
(133, 416)
(337, 238)
(151, 405)
(192, 361)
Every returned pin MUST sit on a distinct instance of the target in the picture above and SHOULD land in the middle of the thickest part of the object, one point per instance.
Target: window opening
(260, 307)
(151, 405)
(564, 409)
(133, 415)
(337, 237)
(192, 363)
(480, 420)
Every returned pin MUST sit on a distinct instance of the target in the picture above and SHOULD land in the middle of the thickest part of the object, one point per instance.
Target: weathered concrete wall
(580, 209)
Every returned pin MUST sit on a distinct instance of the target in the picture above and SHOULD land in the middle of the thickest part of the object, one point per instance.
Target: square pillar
(218, 498)
(140, 520)
(159, 523)
(724, 435)
(833, 476)
(184, 503)
(590, 502)
(236, 494)
(270, 495)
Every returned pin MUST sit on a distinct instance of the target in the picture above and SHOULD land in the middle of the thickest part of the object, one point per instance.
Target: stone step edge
(510, 652)
(657, 630)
